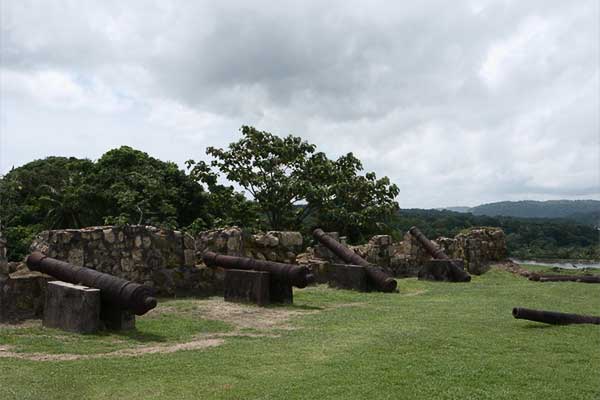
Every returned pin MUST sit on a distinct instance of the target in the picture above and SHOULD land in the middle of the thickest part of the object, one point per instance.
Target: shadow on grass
(134, 335)
(295, 306)
(538, 326)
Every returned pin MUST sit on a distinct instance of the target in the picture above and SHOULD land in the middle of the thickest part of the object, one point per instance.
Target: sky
(458, 102)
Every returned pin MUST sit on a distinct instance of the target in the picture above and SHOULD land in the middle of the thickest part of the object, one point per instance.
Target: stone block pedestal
(72, 307)
(243, 286)
(346, 276)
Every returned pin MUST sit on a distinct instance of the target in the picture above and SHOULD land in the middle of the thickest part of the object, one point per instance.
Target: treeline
(526, 237)
(293, 187)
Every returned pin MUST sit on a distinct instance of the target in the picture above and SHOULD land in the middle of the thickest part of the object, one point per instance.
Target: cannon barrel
(295, 275)
(438, 254)
(431, 248)
(116, 291)
(377, 275)
(566, 278)
(552, 317)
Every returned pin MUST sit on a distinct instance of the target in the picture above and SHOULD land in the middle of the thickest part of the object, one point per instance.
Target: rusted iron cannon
(294, 275)
(121, 293)
(565, 278)
(457, 273)
(552, 317)
(378, 277)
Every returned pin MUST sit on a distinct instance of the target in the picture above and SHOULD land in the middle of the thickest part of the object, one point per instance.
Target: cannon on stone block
(552, 317)
(118, 299)
(442, 267)
(258, 281)
(377, 277)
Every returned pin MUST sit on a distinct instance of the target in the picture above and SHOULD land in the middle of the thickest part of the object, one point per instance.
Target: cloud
(481, 101)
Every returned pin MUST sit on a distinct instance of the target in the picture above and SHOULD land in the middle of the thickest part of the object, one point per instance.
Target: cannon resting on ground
(118, 292)
(565, 278)
(380, 279)
(452, 271)
(552, 317)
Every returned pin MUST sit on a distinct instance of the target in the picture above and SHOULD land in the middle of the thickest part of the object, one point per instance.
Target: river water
(567, 264)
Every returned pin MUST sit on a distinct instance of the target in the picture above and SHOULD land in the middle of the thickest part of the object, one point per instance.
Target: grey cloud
(489, 99)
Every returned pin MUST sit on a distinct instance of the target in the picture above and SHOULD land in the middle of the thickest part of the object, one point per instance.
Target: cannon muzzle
(117, 291)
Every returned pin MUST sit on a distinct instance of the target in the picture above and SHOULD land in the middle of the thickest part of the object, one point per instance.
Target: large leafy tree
(293, 184)
(272, 169)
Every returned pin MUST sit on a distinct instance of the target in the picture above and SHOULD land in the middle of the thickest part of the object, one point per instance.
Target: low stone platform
(243, 286)
(441, 270)
(346, 276)
(72, 307)
(22, 296)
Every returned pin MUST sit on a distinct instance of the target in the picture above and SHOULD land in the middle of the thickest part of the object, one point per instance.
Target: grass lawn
(431, 341)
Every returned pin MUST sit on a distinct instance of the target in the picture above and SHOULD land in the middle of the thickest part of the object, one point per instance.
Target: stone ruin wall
(171, 261)
(477, 247)
(160, 258)
(279, 246)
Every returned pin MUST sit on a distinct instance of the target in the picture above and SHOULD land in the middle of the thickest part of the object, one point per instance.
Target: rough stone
(243, 286)
(72, 308)
(345, 276)
(22, 296)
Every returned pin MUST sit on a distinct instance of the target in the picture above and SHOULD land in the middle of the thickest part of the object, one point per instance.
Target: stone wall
(477, 247)
(279, 246)
(159, 258)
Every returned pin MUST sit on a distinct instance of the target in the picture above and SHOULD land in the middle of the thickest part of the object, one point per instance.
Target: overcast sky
(458, 102)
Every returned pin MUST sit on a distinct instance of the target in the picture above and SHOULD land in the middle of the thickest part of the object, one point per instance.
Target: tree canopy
(292, 183)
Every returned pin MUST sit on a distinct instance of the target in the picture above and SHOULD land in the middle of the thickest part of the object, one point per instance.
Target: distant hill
(582, 211)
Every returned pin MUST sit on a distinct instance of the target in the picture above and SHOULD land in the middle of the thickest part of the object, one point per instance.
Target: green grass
(431, 341)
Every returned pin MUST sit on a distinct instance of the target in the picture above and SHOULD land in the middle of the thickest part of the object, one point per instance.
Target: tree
(271, 169)
(133, 188)
(291, 183)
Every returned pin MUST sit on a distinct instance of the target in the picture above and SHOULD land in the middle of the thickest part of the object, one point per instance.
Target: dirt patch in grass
(249, 317)
(138, 351)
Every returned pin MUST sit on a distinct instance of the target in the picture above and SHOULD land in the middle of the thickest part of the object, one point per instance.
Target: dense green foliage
(526, 237)
(281, 173)
(293, 187)
(584, 211)
(125, 186)
(432, 340)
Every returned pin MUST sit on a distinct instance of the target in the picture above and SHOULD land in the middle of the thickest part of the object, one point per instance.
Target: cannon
(552, 317)
(257, 281)
(566, 278)
(456, 273)
(380, 279)
(118, 292)
(294, 275)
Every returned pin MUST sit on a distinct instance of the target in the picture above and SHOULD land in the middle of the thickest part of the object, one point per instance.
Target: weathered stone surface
(280, 292)
(279, 246)
(22, 296)
(131, 252)
(345, 276)
(116, 319)
(72, 308)
(477, 247)
(243, 286)
(439, 270)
